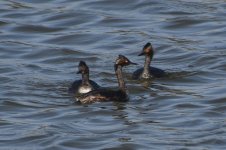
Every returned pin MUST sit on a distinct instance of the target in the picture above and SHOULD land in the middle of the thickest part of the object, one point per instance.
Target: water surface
(42, 42)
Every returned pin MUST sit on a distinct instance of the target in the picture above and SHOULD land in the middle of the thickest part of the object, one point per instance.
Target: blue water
(42, 42)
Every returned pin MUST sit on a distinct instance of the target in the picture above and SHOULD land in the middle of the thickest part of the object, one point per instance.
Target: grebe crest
(82, 68)
(147, 50)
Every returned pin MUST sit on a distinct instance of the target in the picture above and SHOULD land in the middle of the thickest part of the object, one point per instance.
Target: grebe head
(147, 50)
(123, 61)
(82, 68)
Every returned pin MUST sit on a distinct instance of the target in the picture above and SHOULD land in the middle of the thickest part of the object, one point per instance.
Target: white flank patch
(83, 90)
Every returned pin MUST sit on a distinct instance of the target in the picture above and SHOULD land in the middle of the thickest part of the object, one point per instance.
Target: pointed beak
(141, 54)
(78, 72)
(132, 63)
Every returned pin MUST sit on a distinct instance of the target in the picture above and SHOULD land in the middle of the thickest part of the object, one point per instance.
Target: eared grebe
(147, 71)
(104, 94)
(85, 85)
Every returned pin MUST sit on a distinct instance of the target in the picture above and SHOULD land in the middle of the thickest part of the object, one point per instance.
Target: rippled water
(42, 42)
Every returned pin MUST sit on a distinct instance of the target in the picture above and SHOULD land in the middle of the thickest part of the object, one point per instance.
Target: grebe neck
(121, 82)
(85, 78)
(146, 72)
